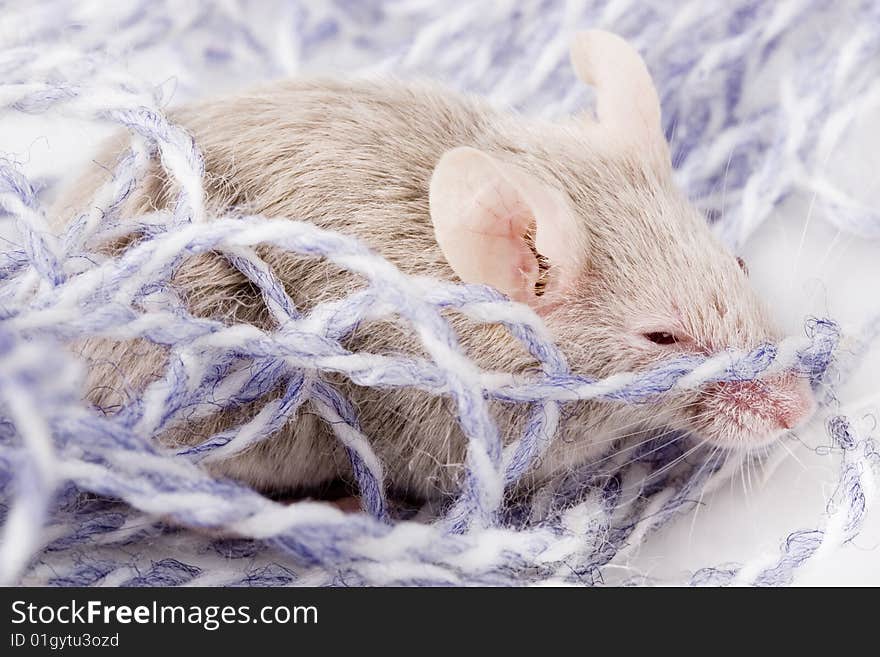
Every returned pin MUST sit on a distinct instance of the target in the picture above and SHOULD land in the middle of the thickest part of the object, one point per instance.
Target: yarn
(81, 491)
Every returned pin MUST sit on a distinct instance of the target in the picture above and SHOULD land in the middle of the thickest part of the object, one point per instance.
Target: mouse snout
(785, 401)
(800, 404)
(752, 413)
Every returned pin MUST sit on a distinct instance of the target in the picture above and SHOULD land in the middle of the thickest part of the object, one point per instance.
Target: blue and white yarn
(81, 493)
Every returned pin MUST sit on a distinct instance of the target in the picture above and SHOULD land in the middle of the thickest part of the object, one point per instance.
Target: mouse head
(590, 230)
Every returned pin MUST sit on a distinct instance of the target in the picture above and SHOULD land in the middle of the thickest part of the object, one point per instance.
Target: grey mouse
(579, 219)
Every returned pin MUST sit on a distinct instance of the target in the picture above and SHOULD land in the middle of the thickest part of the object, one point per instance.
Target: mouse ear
(491, 220)
(627, 104)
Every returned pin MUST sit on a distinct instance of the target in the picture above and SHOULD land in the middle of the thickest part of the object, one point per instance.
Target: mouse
(579, 218)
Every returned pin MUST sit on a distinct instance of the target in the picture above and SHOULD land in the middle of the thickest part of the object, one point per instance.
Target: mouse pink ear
(627, 105)
(484, 213)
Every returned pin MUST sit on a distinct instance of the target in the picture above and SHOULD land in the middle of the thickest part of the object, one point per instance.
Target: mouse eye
(661, 337)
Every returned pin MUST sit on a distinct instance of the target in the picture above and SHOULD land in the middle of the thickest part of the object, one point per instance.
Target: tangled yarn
(82, 492)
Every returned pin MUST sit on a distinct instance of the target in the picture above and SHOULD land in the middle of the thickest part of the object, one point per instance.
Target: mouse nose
(784, 400)
(796, 403)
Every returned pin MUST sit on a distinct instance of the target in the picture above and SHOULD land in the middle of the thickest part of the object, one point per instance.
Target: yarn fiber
(82, 493)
